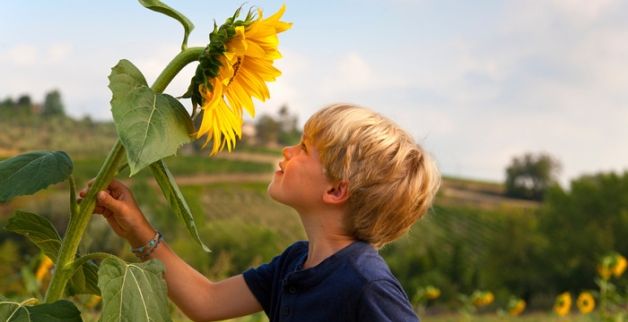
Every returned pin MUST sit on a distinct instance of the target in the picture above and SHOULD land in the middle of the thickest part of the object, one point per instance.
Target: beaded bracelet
(143, 252)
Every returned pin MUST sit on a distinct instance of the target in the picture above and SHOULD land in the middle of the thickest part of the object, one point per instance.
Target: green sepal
(209, 61)
(28, 173)
(175, 198)
(158, 6)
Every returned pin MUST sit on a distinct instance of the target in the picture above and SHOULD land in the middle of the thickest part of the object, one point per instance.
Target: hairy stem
(79, 221)
(78, 224)
(175, 66)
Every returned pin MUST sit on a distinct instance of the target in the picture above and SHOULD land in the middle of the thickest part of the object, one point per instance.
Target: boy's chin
(270, 191)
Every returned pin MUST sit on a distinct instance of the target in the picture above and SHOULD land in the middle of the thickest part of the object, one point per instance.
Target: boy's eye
(303, 147)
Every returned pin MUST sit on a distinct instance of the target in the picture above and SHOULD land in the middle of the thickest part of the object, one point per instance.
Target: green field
(472, 239)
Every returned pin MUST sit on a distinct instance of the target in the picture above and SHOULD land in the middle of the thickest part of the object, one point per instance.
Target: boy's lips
(280, 164)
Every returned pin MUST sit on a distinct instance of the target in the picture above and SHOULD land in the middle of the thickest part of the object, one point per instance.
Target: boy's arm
(199, 298)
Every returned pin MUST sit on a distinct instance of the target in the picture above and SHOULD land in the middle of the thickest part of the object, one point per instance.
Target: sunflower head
(585, 302)
(482, 298)
(233, 69)
(516, 306)
(209, 60)
(620, 265)
(43, 269)
(612, 265)
(562, 304)
(432, 293)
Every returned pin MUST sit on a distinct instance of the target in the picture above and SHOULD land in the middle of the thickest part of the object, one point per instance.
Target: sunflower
(516, 306)
(620, 265)
(432, 293)
(563, 304)
(233, 69)
(480, 298)
(612, 265)
(585, 302)
(44, 269)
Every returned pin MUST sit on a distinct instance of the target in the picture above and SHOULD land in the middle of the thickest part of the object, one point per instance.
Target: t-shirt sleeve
(263, 279)
(383, 301)
(260, 281)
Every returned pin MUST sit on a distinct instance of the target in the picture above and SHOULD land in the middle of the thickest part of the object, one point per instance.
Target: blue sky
(475, 82)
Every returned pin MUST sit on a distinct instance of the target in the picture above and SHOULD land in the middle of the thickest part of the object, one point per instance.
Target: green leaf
(28, 173)
(133, 291)
(38, 229)
(161, 7)
(124, 78)
(175, 198)
(43, 234)
(60, 311)
(85, 280)
(151, 126)
(14, 311)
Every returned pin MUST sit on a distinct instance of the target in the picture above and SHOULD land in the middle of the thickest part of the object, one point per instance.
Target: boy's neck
(325, 236)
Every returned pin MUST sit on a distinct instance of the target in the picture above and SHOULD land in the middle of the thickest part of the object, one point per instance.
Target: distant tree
(289, 133)
(25, 101)
(267, 130)
(23, 107)
(281, 130)
(530, 175)
(6, 105)
(7, 102)
(582, 224)
(53, 105)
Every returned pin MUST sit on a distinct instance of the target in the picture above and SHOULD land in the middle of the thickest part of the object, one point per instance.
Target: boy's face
(300, 181)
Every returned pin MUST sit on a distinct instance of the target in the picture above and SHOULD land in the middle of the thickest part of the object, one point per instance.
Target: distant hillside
(478, 194)
(86, 139)
(78, 138)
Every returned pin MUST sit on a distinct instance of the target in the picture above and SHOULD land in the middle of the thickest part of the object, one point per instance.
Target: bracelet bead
(143, 252)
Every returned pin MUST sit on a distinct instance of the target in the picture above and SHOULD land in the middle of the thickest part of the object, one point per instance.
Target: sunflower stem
(185, 57)
(78, 223)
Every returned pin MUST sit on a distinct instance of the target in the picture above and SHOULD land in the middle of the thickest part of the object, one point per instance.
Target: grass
(86, 168)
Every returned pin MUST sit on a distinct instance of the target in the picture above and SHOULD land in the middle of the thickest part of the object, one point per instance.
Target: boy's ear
(337, 193)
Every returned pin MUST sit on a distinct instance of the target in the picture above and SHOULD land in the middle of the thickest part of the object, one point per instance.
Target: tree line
(268, 130)
(25, 106)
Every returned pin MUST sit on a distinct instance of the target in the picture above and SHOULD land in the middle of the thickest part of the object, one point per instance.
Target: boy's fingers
(108, 202)
(117, 188)
(99, 210)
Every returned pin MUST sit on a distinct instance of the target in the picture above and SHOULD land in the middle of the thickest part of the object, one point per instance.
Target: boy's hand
(117, 205)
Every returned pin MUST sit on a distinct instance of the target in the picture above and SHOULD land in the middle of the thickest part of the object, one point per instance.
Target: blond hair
(391, 180)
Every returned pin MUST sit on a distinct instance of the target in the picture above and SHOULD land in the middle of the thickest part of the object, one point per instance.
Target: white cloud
(582, 11)
(22, 55)
(58, 52)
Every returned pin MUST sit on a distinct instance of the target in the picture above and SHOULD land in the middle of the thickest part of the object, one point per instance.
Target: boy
(358, 182)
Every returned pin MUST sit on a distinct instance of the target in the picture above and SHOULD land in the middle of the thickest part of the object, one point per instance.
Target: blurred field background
(474, 239)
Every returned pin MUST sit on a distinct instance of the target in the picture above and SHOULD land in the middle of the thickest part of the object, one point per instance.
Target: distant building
(249, 132)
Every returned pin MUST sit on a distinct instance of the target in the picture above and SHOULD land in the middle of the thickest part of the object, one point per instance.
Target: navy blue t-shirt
(354, 284)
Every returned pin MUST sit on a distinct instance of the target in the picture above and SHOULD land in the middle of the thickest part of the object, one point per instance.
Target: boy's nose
(288, 151)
